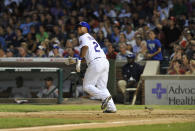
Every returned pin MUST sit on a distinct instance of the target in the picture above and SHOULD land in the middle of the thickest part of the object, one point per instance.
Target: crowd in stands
(151, 29)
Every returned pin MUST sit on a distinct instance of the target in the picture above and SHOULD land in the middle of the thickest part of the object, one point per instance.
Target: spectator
(131, 73)
(9, 2)
(72, 35)
(49, 23)
(175, 68)
(154, 47)
(95, 24)
(42, 35)
(25, 46)
(135, 19)
(56, 42)
(129, 32)
(19, 39)
(185, 63)
(111, 54)
(33, 32)
(57, 10)
(9, 53)
(22, 52)
(40, 52)
(46, 46)
(2, 53)
(191, 67)
(184, 39)
(76, 45)
(110, 12)
(31, 44)
(58, 34)
(25, 27)
(2, 39)
(35, 19)
(50, 90)
(106, 43)
(122, 38)
(190, 46)
(177, 55)
(179, 8)
(108, 26)
(103, 28)
(129, 48)
(70, 26)
(20, 91)
(126, 12)
(123, 52)
(137, 45)
(69, 43)
(10, 36)
(163, 10)
(100, 38)
(141, 55)
(94, 35)
(142, 32)
(55, 52)
(43, 20)
(115, 36)
(172, 34)
(70, 53)
(192, 26)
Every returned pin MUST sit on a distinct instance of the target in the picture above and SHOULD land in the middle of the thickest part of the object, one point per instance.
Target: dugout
(24, 81)
(34, 79)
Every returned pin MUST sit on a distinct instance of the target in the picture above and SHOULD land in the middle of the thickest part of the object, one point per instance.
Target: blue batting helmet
(84, 24)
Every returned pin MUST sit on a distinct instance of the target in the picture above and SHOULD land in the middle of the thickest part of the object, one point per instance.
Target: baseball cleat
(105, 102)
(109, 111)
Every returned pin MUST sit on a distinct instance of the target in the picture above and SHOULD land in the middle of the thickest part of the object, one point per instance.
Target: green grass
(38, 108)
(159, 127)
(29, 122)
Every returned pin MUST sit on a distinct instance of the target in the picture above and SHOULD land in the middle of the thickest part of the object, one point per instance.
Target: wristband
(79, 58)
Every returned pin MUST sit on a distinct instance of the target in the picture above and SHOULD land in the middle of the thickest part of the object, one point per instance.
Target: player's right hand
(78, 65)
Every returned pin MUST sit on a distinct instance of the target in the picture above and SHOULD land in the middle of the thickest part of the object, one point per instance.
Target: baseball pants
(95, 81)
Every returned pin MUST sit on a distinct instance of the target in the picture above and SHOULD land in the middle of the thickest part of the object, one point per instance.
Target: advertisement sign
(170, 92)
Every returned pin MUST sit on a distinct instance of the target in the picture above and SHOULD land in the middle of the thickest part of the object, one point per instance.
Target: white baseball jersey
(94, 49)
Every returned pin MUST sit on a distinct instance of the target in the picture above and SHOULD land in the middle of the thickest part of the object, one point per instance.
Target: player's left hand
(72, 61)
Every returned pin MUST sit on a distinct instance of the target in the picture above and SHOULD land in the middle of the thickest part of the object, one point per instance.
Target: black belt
(95, 59)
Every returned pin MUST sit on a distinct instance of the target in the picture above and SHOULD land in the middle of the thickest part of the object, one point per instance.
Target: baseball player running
(96, 75)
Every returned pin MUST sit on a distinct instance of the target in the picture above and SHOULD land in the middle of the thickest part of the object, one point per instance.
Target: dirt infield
(121, 118)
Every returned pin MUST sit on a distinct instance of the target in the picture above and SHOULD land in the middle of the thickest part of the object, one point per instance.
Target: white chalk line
(73, 125)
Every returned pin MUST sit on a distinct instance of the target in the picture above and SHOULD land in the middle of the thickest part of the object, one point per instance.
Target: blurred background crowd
(47, 28)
